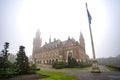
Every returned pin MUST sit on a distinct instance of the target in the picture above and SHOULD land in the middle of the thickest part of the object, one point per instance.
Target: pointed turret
(37, 42)
(50, 39)
(82, 41)
(38, 34)
(68, 37)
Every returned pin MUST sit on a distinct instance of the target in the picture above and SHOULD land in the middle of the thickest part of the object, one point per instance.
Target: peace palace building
(58, 50)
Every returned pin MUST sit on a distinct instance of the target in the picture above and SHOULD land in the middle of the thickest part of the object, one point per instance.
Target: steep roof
(57, 43)
(52, 45)
(72, 41)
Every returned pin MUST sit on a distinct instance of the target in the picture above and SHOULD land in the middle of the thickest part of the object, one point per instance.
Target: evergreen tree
(75, 63)
(4, 57)
(72, 62)
(4, 63)
(22, 63)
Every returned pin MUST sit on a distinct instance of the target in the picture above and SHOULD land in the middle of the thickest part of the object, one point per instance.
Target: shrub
(33, 68)
(59, 65)
(72, 62)
(9, 72)
(114, 67)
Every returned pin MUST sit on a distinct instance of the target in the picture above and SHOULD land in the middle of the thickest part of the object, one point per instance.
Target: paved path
(103, 69)
(87, 75)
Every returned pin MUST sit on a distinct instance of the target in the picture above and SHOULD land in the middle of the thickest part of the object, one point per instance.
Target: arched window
(70, 53)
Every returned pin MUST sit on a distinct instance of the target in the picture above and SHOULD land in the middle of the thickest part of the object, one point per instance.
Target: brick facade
(58, 50)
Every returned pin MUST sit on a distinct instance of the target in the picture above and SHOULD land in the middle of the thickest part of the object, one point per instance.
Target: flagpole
(95, 67)
(92, 43)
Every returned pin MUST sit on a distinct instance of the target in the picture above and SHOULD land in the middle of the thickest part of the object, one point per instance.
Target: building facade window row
(46, 61)
(48, 55)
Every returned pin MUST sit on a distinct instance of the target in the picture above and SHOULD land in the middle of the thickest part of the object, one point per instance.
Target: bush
(59, 65)
(114, 67)
(7, 74)
(72, 62)
(4, 74)
(33, 68)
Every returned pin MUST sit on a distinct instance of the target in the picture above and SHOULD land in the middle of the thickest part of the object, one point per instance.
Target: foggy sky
(105, 45)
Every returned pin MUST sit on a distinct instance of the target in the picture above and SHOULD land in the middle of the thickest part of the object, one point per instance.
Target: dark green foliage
(1, 64)
(5, 70)
(33, 68)
(72, 62)
(4, 57)
(21, 66)
(22, 63)
(12, 67)
(59, 65)
(114, 68)
(10, 71)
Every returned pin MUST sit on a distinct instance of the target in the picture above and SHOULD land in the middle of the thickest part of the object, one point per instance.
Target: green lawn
(55, 75)
(111, 68)
(85, 68)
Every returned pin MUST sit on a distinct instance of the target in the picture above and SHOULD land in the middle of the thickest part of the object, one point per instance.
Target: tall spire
(38, 34)
(38, 38)
(50, 39)
(37, 42)
(82, 41)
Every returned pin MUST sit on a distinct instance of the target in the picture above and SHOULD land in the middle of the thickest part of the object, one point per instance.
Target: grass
(55, 75)
(111, 68)
(85, 68)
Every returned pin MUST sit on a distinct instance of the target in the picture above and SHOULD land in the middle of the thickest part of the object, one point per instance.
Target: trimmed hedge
(59, 65)
(115, 67)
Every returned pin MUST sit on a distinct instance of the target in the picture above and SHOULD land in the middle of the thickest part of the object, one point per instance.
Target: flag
(88, 13)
